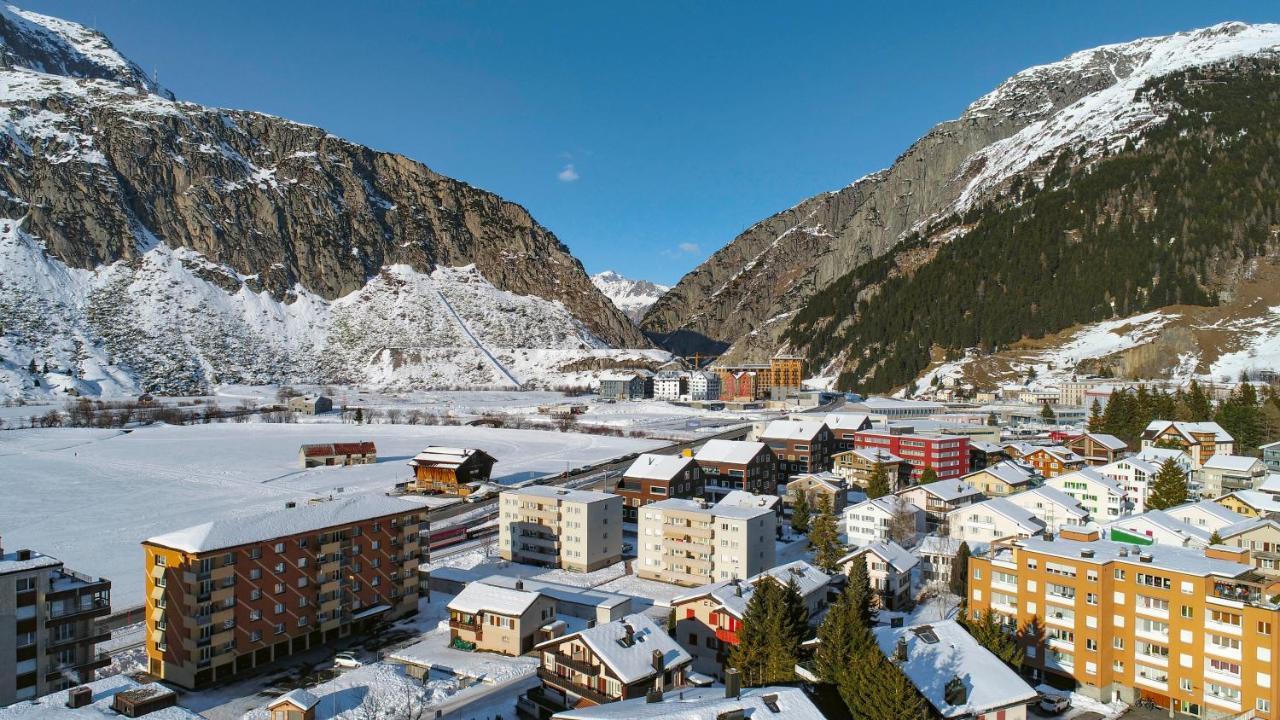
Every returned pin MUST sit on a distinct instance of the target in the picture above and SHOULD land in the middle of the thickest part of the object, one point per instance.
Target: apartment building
(1003, 479)
(889, 569)
(626, 385)
(882, 519)
(857, 467)
(737, 465)
(1190, 629)
(1055, 508)
(704, 385)
(499, 619)
(1199, 440)
(800, 446)
(1098, 448)
(936, 557)
(786, 371)
(815, 487)
(844, 426)
(670, 385)
(1271, 456)
(1261, 537)
(651, 478)
(939, 498)
(579, 530)
(48, 628)
(948, 455)
(992, 520)
(230, 595)
(1222, 474)
(692, 543)
(1104, 498)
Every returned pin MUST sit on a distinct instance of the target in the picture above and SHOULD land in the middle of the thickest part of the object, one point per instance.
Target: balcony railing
(583, 691)
(581, 666)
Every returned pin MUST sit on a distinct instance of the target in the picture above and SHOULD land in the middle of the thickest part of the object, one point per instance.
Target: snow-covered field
(89, 497)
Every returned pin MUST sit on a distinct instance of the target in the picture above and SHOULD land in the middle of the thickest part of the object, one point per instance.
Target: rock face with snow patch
(632, 297)
(744, 295)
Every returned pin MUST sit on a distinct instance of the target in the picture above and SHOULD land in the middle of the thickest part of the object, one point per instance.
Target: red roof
(365, 447)
(317, 450)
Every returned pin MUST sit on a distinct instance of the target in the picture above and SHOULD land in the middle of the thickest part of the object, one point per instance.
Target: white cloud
(568, 174)
(689, 248)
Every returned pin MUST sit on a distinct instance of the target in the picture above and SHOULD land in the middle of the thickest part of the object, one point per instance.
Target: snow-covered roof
(54, 705)
(709, 703)
(1266, 502)
(876, 455)
(1088, 474)
(12, 562)
(1135, 462)
(649, 466)
(1191, 561)
(745, 505)
(1208, 507)
(299, 697)
(793, 430)
(1063, 454)
(1011, 511)
(562, 494)
(984, 446)
(947, 490)
(618, 377)
(847, 421)
(737, 452)
(938, 652)
(1244, 526)
(1161, 520)
(827, 479)
(733, 595)
(938, 545)
(263, 526)
(1185, 429)
(884, 403)
(443, 457)
(1270, 484)
(1238, 463)
(1063, 501)
(571, 594)
(889, 551)
(634, 662)
(887, 504)
(480, 597)
(1007, 471)
(1110, 442)
(1158, 455)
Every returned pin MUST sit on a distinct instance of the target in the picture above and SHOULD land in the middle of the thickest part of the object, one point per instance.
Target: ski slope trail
(466, 330)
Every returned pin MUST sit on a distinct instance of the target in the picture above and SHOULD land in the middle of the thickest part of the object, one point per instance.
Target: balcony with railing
(680, 531)
(568, 684)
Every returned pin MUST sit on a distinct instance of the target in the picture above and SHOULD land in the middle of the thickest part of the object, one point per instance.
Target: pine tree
(796, 617)
(751, 655)
(1046, 413)
(1199, 406)
(960, 572)
(359, 415)
(859, 591)
(1169, 488)
(878, 484)
(32, 367)
(824, 537)
(835, 641)
(800, 512)
(988, 633)
(1095, 416)
(1215, 538)
(899, 698)
(929, 475)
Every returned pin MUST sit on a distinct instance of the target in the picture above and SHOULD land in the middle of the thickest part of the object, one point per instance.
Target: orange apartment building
(755, 381)
(231, 595)
(1191, 629)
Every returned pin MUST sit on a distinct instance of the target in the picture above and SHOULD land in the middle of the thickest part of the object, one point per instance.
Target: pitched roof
(1069, 505)
(1240, 463)
(1135, 462)
(875, 455)
(784, 703)
(889, 551)
(1007, 471)
(847, 421)
(829, 480)
(887, 504)
(938, 652)
(1209, 507)
(1163, 521)
(364, 447)
(733, 595)
(1110, 442)
(793, 429)
(444, 457)
(634, 662)
(478, 597)
(1257, 499)
(1018, 515)
(262, 526)
(649, 466)
(738, 452)
(1091, 475)
(1185, 429)
(299, 697)
(946, 490)
(1061, 453)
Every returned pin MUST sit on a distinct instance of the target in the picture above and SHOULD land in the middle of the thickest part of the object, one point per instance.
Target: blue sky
(645, 135)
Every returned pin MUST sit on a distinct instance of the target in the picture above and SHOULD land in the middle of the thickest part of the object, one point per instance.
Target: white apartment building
(992, 520)
(1103, 497)
(888, 573)
(1135, 475)
(1206, 514)
(1057, 509)
(577, 530)
(704, 385)
(692, 543)
(1222, 474)
(670, 385)
(872, 521)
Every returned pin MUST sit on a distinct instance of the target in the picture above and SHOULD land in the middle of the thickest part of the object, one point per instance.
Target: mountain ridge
(632, 297)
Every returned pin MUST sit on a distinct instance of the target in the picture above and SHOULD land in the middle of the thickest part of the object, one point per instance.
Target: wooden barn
(451, 471)
(349, 453)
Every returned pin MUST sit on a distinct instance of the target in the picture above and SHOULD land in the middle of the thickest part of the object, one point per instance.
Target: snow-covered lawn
(659, 592)
(89, 497)
(433, 651)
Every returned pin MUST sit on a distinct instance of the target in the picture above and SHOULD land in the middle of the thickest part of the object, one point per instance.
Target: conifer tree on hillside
(959, 582)
(1095, 417)
(1169, 487)
(1199, 406)
(800, 513)
(1046, 413)
(824, 537)
(1241, 416)
(859, 590)
(878, 483)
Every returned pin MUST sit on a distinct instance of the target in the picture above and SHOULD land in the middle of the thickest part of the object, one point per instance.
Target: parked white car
(346, 660)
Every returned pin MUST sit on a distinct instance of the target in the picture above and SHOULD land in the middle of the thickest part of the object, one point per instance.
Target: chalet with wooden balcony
(498, 619)
(450, 471)
(1098, 449)
(1199, 440)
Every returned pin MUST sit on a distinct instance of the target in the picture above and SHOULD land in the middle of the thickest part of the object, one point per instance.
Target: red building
(948, 455)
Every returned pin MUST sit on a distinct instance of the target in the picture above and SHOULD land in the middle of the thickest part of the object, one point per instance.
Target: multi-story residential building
(883, 519)
(1271, 456)
(1190, 629)
(1098, 448)
(1055, 508)
(1051, 461)
(692, 543)
(948, 455)
(670, 385)
(800, 446)
(939, 498)
(499, 619)
(843, 427)
(992, 520)
(48, 629)
(449, 470)
(1222, 474)
(579, 530)
(1158, 455)
(704, 385)
(1200, 440)
(815, 487)
(231, 595)
(1156, 527)
(627, 385)
(1003, 478)
(936, 557)
(888, 572)
(1103, 497)
(1251, 503)
(1135, 475)
(1205, 514)
(1261, 537)
(737, 465)
(786, 371)
(709, 618)
(611, 662)
(983, 454)
(857, 467)
(657, 477)
(743, 385)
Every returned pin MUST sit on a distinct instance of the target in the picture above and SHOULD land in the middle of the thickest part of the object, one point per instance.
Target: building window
(161, 561)
(279, 628)
(279, 547)
(1264, 628)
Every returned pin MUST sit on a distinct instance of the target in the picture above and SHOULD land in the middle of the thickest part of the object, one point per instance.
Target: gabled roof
(1062, 454)
(736, 452)
(709, 703)
(1239, 463)
(890, 552)
(1007, 471)
(848, 421)
(733, 595)
(1208, 507)
(445, 457)
(1244, 526)
(1135, 462)
(946, 490)
(1161, 520)
(829, 480)
(633, 662)
(1091, 475)
(1110, 442)
(874, 455)
(1065, 502)
(1185, 429)
(1271, 484)
(1270, 445)
(984, 446)
(888, 504)
(298, 697)
(1011, 511)
(938, 545)
(1266, 502)
(478, 597)
(793, 430)
(649, 466)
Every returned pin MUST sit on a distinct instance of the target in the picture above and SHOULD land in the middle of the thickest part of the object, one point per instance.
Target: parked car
(346, 660)
(1054, 704)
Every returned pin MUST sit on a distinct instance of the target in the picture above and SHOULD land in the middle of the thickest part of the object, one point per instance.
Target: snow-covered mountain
(632, 297)
(149, 243)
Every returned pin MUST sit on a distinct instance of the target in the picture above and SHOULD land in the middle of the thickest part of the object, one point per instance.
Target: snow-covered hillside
(174, 322)
(632, 297)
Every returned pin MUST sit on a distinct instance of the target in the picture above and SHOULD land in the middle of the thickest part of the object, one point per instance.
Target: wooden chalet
(450, 471)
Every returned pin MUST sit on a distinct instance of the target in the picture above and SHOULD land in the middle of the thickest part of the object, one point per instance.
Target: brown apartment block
(652, 478)
(801, 446)
(231, 595)
(48, 626)
(737, 465)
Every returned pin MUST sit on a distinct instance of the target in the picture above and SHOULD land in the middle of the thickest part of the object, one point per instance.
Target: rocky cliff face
(742, 298)
(104, 169)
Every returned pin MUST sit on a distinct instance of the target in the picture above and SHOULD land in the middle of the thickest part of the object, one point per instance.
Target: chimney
(519, 584)
(955, 692)
(630, 634)
(732, 683)
(900, 652)
(78, 697)
(658, 664)
(24, 554)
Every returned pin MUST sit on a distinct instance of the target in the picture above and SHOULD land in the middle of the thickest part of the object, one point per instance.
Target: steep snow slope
(55, 46)
(632, 297)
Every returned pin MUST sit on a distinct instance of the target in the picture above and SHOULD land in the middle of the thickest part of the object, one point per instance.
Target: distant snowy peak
(60, 47)
(1090, 97)
(632, 297)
